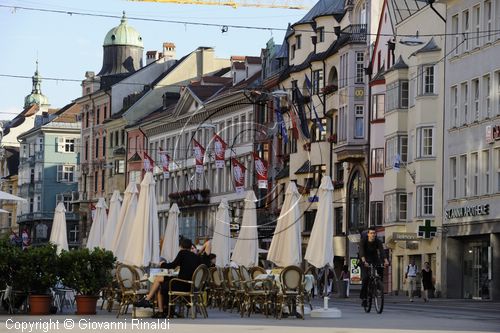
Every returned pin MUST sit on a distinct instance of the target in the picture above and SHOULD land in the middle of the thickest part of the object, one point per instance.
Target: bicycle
(375, 290)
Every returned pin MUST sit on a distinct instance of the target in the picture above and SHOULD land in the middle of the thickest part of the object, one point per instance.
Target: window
(73, 233)
(298, 41)
(309, 217)
(339, 221)
(103, 146)
(342, 136)
(464, 103)
(425, 142)
(475, 100)
(66, 173)
(427, 80)
(360, 67)
(477, 25)
(119, 166)
(486, 96)
(453, 176)
(320, 33)
(488, 22)
(98, 114)
(426, 200)
(103, 179)
(317, 134)
(454, 107)
(343, 70)
(498, 90)
(377, 211)
(378, 106)
(396, 148)
(465, 29)
(67, 200)
(86, 150)
(395, 205)
(377, 161)
(292, 55)
(397, 95)
(359, 121)
(475, 173)
(96, 148)
(486, 172)
(86, 115)
(463, 175)
(65, 145)
(339, 171)
(456, 35)
(317, 81)
(402, 205)
(96, 179)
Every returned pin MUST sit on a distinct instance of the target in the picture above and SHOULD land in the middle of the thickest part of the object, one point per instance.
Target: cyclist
(371, 252)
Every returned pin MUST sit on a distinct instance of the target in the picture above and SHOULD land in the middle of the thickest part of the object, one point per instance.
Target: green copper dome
(123, 35)
(36, 96)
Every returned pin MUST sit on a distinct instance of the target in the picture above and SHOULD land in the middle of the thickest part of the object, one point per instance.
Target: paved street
(440, 315)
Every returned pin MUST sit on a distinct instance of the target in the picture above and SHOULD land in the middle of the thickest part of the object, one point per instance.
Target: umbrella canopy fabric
(123, 228)
(221, 240)
(170, 247)
(286, 245)
(319, 252)
(8, 196)
(245, 251)
(98, 225)
(114, 212)
(4, 211)
(58, 234)
(145, 247)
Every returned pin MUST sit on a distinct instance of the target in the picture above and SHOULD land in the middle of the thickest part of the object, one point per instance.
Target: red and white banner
(239, 175)
(220, 151)
(148, 162)
(261, 169)
(165, 162)
(199, 155)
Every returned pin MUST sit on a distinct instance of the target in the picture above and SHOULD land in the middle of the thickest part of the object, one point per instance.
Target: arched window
(357, 195)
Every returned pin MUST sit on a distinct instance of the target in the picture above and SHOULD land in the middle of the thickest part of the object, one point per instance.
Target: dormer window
(320, 34)
(298, 42)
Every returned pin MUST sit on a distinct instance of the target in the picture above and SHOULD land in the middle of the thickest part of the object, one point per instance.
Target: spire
(37, 81)
(124, 18)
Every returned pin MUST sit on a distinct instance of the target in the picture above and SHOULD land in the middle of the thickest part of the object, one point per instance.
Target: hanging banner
(165, 162)
(148, 162)
(220, 151)
(199, 154)
(239, 175)
(261, 169)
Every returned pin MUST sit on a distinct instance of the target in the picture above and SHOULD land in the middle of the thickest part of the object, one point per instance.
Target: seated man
(188, 262)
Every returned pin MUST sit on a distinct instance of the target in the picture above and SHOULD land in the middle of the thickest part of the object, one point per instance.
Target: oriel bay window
(397, 95)
(395, 205)
(378, 106)
(377, 161)
(396, 148)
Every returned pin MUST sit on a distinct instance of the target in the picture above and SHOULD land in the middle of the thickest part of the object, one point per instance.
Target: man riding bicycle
(371, 252)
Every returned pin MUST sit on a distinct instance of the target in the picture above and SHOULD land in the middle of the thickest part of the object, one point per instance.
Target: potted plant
(35, 275)
(87, 272)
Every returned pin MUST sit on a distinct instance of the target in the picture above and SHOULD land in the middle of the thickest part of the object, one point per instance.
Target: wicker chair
(192, 298)
(261, 292)
(292, 289)
(130, 288)
(256, 271)
(217, 290)
(236, 291)
(111, 292)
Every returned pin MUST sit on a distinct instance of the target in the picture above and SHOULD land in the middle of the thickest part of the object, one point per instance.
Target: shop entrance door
(477, 263)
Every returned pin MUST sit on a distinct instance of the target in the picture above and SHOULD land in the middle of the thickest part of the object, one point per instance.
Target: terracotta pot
(86, 305)
(40, 304)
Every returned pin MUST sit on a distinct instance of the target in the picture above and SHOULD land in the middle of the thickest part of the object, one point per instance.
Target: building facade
(472, 150)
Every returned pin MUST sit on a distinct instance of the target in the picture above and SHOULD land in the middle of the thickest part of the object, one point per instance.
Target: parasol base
(326, 313)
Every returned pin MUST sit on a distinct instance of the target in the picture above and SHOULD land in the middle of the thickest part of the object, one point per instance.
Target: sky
(67, 46)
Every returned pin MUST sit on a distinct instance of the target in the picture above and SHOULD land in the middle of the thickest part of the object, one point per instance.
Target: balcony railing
(191, 197)
(356, 33)
(35, 216)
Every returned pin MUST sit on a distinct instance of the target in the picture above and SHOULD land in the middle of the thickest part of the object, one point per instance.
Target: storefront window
(357, 194)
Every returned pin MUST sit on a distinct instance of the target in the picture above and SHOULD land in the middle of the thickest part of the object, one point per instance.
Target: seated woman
(188, 262)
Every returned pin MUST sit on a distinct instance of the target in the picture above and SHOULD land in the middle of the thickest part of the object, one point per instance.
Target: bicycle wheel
(378, 294)
(368, 305)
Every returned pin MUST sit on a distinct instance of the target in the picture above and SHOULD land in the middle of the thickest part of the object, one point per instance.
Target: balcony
(37, 216)
(356, 33)
(190, 198)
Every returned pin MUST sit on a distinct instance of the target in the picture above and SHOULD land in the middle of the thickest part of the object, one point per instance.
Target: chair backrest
(292, 278)
(245, 274)
(126, 276)
(256, 271)
(200, 276)
(217, 279)
(233, 278)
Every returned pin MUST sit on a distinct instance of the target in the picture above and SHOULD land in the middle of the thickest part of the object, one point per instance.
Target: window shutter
(60, 144)
(59, 173)
(435, 80)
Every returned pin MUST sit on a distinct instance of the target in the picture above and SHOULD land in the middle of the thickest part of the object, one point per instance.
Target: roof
(135, 158)
(431, 46)
(204, 92)
(67, 114)
(284, 173)
(123, 34)
(400, 64)
(237, 58)
(253, 60)
(239, 65)
(305, 168)
(323, 8)
(216, 80)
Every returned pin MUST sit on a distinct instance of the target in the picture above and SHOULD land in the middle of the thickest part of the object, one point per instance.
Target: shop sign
(467, 211)
(412, 245)
(404, 236)
(313, 198)
(355, 271)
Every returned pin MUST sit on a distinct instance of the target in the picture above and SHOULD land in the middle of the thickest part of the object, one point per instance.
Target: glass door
(477, 263)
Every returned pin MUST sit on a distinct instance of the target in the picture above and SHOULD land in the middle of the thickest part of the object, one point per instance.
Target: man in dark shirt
(188, 262)
(371, 252)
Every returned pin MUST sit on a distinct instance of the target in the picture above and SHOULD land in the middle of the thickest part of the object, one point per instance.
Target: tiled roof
(254, 60)
(239, 65)
(431, 46)
(323, 8)
(204, 92)
(305, 168)
(284, 173)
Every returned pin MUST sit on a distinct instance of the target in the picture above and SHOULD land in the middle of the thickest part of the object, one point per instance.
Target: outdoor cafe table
(163, 272)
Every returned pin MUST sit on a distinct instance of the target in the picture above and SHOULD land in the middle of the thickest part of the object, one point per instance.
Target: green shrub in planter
(9, 262)
(86, 271)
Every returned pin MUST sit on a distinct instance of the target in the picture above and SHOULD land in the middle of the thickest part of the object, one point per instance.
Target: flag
(165, 163)
(309, 88)
(301, 113)
(220, 151)
(199, 154)
(397, 162)
(261, 169)
(26, 238)
(295, 129)
(239, 175)
(148, 162)
(279, 118)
